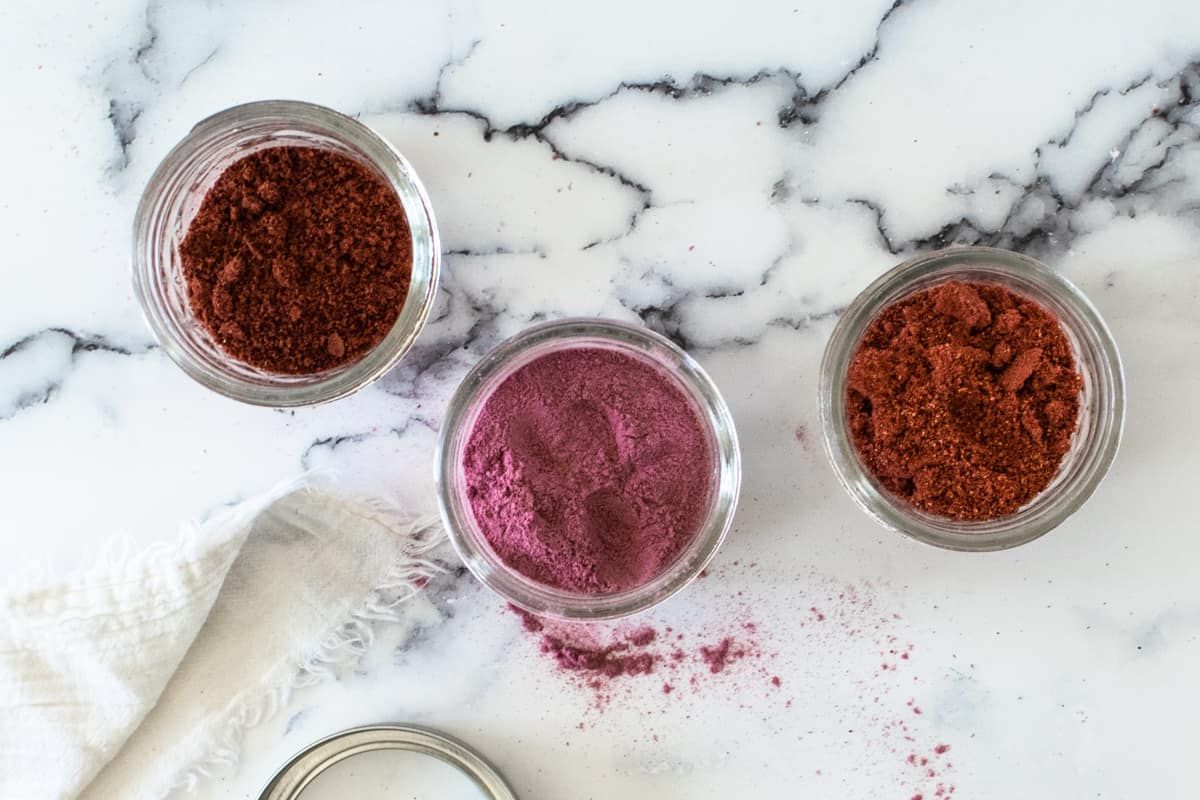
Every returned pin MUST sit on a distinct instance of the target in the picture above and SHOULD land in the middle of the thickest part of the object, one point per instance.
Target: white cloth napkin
(140, 675)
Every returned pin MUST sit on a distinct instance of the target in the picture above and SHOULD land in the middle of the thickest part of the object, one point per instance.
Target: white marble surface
(731, 176)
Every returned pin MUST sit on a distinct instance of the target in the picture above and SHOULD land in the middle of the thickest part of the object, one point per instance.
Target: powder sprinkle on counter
(298, 259)
(962, 399)
(589, 470)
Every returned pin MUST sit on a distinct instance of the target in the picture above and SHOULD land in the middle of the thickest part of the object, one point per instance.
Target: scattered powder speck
(642, 636)
(598, 657)
(837, 624)
(802, 436)
(720, 655)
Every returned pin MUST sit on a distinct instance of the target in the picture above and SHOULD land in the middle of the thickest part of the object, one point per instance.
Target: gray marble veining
(730, 176)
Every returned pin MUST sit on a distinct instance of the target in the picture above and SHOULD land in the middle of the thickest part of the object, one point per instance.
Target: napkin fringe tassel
(342, 646)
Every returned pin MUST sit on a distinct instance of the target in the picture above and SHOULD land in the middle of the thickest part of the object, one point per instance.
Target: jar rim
(1103, 398)
(524, 347)
(161, 207)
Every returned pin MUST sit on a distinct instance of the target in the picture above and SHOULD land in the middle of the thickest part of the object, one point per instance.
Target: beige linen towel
(141, 674)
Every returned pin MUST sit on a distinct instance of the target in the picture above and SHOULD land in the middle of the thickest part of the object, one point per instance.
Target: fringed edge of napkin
(119, 554)
(342, 647)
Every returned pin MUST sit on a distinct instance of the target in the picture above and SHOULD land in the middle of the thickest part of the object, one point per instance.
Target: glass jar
(1102, 401)
(464, 410)
(173, 196)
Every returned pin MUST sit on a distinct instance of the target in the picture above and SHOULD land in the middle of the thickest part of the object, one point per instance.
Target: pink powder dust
(605, 659)
(589, 470)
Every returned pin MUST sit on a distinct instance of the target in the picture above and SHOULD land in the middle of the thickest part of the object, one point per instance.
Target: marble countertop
(731, 177)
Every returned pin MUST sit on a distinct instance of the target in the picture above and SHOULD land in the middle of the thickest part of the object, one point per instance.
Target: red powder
(962, 399)
(589, 470)
(775, 681)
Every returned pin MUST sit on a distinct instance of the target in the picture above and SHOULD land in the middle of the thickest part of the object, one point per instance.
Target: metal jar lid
(295, 776)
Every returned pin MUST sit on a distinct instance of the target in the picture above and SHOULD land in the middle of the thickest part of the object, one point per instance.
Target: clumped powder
(962, 399)
(298, 259)
(589, 470)
(601, 658)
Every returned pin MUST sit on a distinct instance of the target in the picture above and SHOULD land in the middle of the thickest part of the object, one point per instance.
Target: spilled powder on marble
(648, 667)
(589, 470)
(598, 657)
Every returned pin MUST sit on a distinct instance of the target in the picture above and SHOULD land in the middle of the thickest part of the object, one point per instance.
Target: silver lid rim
(302, 769)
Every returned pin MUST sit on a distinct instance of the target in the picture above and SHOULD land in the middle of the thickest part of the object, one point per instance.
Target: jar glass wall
(1102, 400)
(466, 406)
(172, 198)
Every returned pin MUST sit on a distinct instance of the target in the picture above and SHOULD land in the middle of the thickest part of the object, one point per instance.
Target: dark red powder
(298, 259)
(962, 399)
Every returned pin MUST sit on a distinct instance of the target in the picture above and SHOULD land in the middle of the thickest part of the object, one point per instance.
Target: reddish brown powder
(298, 259)
(962, 399)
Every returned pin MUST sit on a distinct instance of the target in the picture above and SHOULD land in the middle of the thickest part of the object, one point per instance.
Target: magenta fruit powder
(589, 470)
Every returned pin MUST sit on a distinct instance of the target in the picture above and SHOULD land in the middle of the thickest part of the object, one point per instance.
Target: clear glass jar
(1102, 403)
(464, 409)
(171, 199)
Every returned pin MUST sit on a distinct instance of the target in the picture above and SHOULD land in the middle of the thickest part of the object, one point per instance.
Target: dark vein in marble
(123, 112)
(1087, 108)
(469, 252)
(123, 116)
(803, 106)
(332, 443)
(442, 347)
(80, 343)
(1055, 227)
(148, 43)
(871, 55)
(433, 101)
(204, 62)
(1184, 88)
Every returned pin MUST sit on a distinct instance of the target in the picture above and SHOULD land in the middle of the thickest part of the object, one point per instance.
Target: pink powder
(603, 658)
(589, 470)
(719, 655)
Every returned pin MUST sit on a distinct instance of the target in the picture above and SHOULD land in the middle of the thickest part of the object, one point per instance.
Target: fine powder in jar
(298, 259)
(589, 470)
(962, 399)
